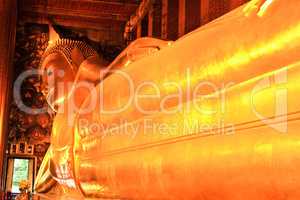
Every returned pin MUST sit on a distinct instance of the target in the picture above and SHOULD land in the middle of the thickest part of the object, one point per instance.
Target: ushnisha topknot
(65, 47)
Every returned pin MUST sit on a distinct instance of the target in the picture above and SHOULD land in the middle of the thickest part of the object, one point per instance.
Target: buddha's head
(63, 63)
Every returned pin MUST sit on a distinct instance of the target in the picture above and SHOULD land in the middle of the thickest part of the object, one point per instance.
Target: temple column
(181, 18)
(139, 30)
(192, 15)
(164, 19)
(236, 3)
(150, 22)
(204, 10)
(8, 13)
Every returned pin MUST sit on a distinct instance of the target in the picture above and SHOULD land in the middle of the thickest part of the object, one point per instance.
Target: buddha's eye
(49, 72)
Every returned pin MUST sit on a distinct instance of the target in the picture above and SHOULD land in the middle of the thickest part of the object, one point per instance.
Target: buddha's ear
(77, 57)
(92, 69)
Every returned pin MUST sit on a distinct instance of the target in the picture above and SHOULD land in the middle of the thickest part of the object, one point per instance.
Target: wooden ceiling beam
(90, 14)
(81, 7)
(77, 13)
(50, 11)
(68, 13)
(74, 21)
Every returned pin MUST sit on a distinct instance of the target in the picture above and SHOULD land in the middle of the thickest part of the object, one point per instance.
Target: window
(18, 169)
(20, 172)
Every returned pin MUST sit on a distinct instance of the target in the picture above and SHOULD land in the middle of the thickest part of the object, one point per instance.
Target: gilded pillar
(8, 17)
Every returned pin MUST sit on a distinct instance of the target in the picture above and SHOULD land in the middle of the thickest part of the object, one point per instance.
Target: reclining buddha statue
(213, 115)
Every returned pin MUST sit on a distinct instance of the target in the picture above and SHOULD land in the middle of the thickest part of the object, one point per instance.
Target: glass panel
(20, 173)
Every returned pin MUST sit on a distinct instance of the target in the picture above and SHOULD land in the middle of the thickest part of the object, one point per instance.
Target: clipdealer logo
(276, 86)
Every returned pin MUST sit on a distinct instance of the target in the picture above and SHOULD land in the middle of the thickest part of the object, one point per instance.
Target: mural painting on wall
(29, 133)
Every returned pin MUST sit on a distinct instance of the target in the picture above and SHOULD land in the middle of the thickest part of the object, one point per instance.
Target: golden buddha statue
(213, 115)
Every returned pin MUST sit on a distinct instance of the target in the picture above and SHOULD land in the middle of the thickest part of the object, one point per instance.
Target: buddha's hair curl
(65, 47)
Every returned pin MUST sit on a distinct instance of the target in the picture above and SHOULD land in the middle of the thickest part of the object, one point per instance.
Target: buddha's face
(58, 78)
